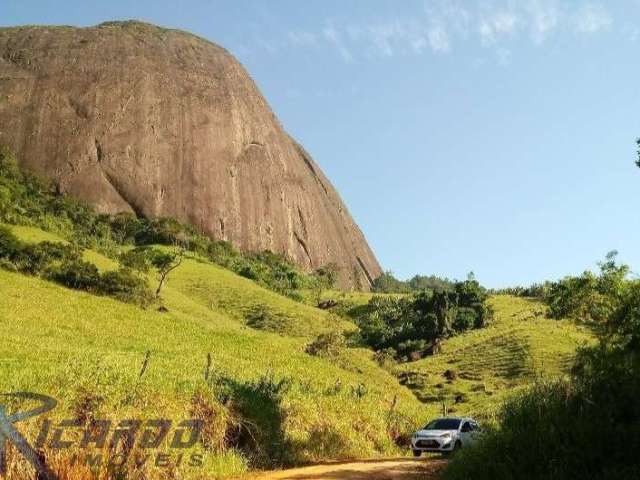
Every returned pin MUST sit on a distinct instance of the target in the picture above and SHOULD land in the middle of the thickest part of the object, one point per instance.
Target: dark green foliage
(272, 271)
(323, 278)
(537, 290)
(138, 259)
(9, 244)
(142, 259)
(589, 297)
(219, 252)
(430, 282)
(35, 259)
(126, 228)
(585, 427)
(125, 286)
(39, 258)
(412, 324)
(28, 200)
(465, 319)
(163, 231)
(387, 283)
(411, 349)
(260, 417)
(77, 274)
(63, 264)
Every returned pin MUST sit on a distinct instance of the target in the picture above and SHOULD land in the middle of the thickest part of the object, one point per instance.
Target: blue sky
(493, 136)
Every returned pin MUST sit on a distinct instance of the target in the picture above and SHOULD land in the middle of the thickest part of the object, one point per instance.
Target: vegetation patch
(28, 200)
(413, 326)
(550, 430)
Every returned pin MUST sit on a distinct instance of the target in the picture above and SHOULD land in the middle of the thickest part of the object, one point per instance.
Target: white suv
(445, 435)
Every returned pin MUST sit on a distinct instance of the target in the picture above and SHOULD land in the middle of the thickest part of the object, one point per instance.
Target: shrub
(261, 317)
(33, 259)
(589, 297)
(125, 286)
(219, 252)
(9, 244)
(138, 258)
(163, 231)
(385, 358)
(8, 164)
(126, 228)
(256, 408)
(465, 319)
(326, 345)
(220, 428)
(39, 258)
(536, 290)
(388, 283)
(584, 427)
(562, 431)
(26, 199)
(413, 324)
(77, 274)
(412, 349)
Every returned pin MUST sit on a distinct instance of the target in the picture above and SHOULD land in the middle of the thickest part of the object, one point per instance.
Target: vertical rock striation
(137, 118)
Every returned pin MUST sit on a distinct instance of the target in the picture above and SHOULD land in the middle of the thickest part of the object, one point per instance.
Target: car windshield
(443, 424)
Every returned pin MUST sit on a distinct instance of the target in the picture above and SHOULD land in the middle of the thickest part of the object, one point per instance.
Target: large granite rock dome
(133, 117)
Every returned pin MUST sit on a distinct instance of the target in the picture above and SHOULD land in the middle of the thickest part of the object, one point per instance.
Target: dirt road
(396, 469)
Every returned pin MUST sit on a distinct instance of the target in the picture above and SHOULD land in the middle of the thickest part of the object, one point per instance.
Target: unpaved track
(396, 469)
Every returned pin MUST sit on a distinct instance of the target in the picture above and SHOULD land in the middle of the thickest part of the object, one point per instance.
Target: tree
(590, 297)
(165, 263)
(138, 259)
(324, 278)
(387, 283)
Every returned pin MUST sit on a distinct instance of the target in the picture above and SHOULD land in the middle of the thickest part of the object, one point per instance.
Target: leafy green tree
(412, 323)
(590, 297)
(387, 283)
(139, 259)
(125, 286)
(165, 263)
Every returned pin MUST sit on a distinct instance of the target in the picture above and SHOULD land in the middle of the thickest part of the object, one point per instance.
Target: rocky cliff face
(132, 117)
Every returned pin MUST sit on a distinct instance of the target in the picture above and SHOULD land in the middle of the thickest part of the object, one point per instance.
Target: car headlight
(445, 435)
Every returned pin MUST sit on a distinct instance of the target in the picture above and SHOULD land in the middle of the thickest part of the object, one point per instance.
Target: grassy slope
(520, 346)
(57, 341)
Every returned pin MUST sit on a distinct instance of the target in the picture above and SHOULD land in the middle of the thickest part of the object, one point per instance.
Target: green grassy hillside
(89, 352)
(475, 371)
(74, 346)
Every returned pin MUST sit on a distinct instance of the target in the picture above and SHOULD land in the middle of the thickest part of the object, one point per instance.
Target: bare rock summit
(131, 117)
